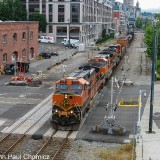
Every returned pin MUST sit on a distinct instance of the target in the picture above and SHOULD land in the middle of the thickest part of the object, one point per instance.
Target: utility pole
(64, 70)
(156, 55)
(152, 81)
(69, 32)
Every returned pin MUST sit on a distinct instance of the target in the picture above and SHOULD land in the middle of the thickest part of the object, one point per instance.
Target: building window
(61, 18)
(50, 18)
(5, 58)
(5, 38)
(23, 52)
(31, 53)
(50, 29)
(31, 35)
(50, 7)
(75, 13)
(23, 35)
(15, 37)
(61, 8)
(61, 30)
(60, 13)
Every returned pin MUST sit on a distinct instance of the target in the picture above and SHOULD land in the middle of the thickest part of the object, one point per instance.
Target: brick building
(18, 42)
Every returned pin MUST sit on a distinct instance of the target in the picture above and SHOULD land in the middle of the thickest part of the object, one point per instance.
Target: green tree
(147, 22)
(149, 32)
(103, 33)
(41, 19)
(12, 10)
(149, 40)
(139, 22)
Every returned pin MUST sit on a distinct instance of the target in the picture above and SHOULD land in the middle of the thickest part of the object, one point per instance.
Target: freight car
(73, 94)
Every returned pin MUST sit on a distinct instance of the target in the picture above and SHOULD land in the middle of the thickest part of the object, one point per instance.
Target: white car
(46, 39)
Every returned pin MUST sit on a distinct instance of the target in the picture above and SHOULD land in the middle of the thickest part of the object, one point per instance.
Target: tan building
(79, 19)
(18, 42)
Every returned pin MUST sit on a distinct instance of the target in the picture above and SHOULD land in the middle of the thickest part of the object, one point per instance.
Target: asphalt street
(125, 116)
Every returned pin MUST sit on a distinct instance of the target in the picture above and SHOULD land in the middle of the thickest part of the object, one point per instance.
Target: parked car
(73, 43)
(46, 39)
(54, 53)
(45, 55)
(9, 69)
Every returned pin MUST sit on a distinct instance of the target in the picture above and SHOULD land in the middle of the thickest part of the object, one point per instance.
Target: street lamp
(152, 80)
(64, 70)
(69, 33)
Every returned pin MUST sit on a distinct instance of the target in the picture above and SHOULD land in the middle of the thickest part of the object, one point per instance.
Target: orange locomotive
(73, 94)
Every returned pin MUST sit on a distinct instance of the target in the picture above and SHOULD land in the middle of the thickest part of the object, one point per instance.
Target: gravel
(83, 150)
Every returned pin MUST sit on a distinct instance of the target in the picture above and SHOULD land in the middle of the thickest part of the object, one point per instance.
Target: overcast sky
(147, 4)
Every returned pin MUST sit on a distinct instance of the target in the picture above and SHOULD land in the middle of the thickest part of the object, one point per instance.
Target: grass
(108, 40)
(120, 153)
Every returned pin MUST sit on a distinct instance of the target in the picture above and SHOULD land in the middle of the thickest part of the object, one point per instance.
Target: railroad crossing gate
(129, 103)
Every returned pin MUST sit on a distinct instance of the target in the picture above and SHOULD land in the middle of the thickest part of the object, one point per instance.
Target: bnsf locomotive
(74, 93)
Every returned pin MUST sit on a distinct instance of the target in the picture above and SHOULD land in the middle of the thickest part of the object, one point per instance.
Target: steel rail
(60, 148)
(23, 135)
(24, 121)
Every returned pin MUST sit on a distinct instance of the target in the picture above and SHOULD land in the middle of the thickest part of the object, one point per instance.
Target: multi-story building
(119, 17)
(18, 42)
(129, 2)
(77, 19)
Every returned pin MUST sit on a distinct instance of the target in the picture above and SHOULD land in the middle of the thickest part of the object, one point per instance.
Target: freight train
(73, 94)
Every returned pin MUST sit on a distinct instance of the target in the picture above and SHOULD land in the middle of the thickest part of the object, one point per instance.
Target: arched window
(15, 37)
(14, 56)
(23, 35)
(31, 35)
(23, 52)
(31, 52)
(5, 58)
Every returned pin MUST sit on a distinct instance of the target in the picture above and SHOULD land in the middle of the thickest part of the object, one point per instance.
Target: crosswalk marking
(2, 121)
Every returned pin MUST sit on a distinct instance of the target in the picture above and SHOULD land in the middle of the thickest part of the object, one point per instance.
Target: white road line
(33, 119)
(127, 141)
(40, 123)
(49, 132)
(73, 135)
(61, 134)
(2, 121)
(27, 115)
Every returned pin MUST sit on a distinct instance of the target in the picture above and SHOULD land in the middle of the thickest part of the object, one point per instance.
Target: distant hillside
(155, 10)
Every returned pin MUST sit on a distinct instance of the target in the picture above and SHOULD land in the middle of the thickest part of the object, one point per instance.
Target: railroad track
(56, 148)
(10, 141)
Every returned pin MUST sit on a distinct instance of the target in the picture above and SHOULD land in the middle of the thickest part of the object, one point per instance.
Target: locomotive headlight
(65, 96)
(71, 111)
(56, 111)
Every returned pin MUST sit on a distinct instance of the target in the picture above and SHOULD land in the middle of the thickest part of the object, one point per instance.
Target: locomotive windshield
(62, 86)
(76, 88)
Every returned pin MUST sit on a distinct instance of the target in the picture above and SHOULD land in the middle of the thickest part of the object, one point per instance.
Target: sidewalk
(43, 65)
(148, 147)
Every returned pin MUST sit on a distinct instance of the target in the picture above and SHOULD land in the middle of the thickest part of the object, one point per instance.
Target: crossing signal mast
(109, 121)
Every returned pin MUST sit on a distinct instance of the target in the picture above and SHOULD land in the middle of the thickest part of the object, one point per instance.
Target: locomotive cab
(68, 100)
